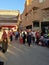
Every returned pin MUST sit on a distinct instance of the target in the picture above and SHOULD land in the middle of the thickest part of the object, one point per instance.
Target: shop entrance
(7, 28)
(45, 27)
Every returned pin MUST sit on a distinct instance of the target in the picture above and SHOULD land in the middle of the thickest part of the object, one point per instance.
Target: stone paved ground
(19, 54)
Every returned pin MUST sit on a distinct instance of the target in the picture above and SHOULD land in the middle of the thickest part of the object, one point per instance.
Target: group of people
(25, 36)
(30, 36)
(7, 37)
(10, 35)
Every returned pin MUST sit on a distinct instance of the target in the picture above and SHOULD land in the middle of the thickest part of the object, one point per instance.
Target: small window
(35, 24)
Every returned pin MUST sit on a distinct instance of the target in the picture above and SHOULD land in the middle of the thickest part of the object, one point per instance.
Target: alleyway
(19, 54)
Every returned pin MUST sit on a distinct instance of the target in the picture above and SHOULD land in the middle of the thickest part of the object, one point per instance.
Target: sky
(12, 5)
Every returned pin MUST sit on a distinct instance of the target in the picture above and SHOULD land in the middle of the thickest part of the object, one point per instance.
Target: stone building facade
(36, 15)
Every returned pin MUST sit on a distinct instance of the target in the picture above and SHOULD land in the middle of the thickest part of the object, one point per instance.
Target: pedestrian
(8, 36)
(24, 37)
(21, 38)
(33, 36)
(37, 37)
(29, 38)
(16, 35)
(11, 35)
(4, 42)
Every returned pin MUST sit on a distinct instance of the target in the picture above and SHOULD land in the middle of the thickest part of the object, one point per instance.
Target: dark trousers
(23, 40)
(37, 40)
(4, 45)
(11, 38)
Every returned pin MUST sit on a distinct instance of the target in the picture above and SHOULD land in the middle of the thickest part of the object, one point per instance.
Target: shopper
(29, 38)
(4, 42)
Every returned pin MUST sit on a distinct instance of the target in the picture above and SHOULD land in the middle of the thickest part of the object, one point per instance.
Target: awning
(9, 26)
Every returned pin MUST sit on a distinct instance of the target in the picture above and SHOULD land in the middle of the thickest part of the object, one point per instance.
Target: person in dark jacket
(29, 38)
(24, 37)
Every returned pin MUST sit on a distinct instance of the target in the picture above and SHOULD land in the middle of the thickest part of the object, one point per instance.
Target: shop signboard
(46, 19)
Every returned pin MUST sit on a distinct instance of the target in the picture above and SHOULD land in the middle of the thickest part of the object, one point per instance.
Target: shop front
(9, 19)
(45, 27)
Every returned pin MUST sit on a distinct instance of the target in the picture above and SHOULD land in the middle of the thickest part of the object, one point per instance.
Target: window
(35, 24)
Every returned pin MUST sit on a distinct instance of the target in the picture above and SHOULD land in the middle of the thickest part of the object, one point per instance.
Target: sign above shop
(46, 19)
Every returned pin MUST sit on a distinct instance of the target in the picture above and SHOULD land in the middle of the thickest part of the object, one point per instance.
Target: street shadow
(1, 63)
(0, 48)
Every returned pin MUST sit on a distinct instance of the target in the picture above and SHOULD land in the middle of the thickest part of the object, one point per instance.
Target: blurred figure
(5, 41)
(4, 36)
(29, 38)
(24, 37)
(9, 36)
(37, 37)
(13, 36)
(16, 35)
(21, 37)
(33, 35)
